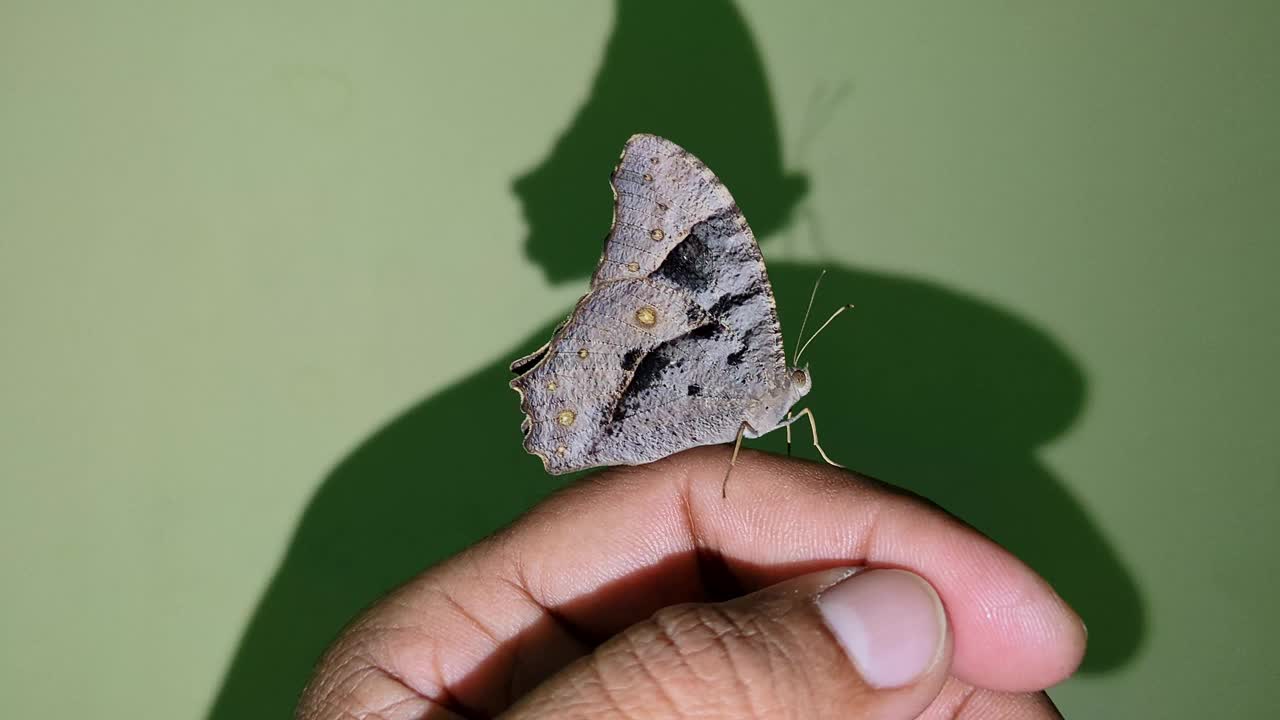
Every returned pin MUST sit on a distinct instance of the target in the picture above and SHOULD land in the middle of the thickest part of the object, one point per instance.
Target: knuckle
(695, 659)
(349, 685)
(706, 633)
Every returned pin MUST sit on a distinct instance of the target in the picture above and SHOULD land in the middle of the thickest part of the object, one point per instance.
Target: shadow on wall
(932, 390)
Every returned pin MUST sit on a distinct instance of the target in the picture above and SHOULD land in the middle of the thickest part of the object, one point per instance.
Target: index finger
(611, 550)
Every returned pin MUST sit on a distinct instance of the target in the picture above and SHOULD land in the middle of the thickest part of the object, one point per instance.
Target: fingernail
(890, 623)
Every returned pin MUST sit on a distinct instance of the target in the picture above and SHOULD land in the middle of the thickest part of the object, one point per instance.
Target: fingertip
(1014, 632)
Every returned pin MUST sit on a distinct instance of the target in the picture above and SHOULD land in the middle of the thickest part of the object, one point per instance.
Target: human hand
(641, 593)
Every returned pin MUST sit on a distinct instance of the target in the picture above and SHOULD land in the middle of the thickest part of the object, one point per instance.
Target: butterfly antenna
(834, 315)
(823, 102)
(805, 322)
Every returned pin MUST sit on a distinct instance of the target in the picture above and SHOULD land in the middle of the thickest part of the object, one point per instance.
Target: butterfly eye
(799, 377)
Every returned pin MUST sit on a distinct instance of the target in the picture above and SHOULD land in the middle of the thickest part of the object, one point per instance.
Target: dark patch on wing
(727, 302)
(690, 264)
(694, 390)
(649, 372)
(630, 359)
(620, 412)
(735, 357)
(707, 331)
(694, 314)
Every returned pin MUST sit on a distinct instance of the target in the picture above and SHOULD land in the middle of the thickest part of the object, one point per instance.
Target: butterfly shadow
(925, 387)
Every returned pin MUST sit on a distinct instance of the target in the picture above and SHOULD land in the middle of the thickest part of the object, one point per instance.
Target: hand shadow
(922, 386)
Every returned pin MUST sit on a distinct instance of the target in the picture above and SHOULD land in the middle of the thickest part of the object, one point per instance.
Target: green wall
(262, 266)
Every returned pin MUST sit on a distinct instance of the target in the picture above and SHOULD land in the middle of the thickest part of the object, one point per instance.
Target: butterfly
(677, 342)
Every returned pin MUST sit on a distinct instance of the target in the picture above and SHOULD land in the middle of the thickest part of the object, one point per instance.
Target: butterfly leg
(737, 445)
(813, 425)
(788, 426)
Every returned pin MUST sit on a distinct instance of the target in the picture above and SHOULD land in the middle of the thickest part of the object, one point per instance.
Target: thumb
(869, 645)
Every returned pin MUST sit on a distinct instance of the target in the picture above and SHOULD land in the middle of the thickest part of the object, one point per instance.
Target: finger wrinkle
(868, 543)
(695, 532)
(414, 655)
(610, 696)
(634, 650)
(492, 654)
(360, 689)
(712, 569)
(749, 631)
(681, 481)
(966, 699)
(693, 630)
(520, 585)
(473, 619)
(670, 631)
(987, 705)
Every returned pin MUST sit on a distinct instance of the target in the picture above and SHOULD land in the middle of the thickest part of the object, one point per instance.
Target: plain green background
(261, 265)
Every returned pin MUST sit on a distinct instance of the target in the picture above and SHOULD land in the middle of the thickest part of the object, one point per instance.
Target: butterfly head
(801, 382)
(769, 411)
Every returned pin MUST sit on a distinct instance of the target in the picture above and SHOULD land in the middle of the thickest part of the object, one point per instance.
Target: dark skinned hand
(810, 592)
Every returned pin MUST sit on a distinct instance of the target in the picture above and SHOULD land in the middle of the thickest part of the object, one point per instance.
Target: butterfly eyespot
(647, 316)
(653, 161)
(583, 353)
(648, 177)
(663, 207)
(552, 386)
(561, 450)
(566, 417)
(657, 234)
(633, 266)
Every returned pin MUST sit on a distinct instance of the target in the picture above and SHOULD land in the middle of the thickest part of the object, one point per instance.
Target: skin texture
(640, 592)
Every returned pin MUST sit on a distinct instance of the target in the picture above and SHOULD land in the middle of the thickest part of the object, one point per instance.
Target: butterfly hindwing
(570, 386)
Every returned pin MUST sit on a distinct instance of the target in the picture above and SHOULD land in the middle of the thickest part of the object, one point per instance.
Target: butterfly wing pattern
(677, 342)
